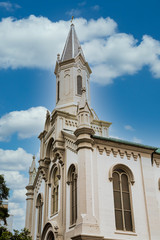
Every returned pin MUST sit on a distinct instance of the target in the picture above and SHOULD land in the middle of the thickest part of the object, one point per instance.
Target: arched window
(55, 191)
(79, 85)
(72, 181)
(50, 236)
(39, 205)
(122, 200)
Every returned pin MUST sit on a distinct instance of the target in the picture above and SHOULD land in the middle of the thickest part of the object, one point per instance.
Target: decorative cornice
(84, 130)
(66, 115)
(70, 144)
(116, 152)
(120, 145)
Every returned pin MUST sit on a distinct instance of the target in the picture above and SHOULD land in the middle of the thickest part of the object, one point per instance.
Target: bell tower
(72, 74)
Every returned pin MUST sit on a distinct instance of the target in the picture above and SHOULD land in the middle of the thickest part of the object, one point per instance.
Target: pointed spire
(84, 111)
(32, 171)
(72, 47)
(33, 165)
(83, 100)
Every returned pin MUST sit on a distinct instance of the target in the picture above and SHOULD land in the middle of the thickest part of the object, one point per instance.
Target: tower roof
(72, 46)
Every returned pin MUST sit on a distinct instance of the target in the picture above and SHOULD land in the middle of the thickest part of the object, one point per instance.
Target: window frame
(124, 171)
(72, 182)
(79, 82)
(55, 191)
(39, 205)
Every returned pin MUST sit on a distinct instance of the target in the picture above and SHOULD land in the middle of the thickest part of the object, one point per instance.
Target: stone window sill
(53, 214)
(72, 226)
(125, 233)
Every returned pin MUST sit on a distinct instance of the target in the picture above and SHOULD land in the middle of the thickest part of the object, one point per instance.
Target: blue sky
(121, 42)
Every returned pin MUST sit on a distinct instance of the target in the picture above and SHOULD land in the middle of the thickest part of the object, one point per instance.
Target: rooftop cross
(72, 19)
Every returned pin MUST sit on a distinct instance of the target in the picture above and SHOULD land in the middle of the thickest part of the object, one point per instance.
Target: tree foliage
(4, 190)
(6, 235)
(4, 193)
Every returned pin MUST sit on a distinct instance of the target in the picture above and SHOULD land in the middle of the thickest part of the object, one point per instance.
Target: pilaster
(86, 221)
(29, 207)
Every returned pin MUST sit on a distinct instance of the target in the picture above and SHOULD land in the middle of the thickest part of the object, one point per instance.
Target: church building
(89, 186)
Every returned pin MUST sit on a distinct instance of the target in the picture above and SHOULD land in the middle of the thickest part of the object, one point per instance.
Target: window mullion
(122, 205)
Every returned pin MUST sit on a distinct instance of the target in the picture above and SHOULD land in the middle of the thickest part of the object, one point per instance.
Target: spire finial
(72, 19)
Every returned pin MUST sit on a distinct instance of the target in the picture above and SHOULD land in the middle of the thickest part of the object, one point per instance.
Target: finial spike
(72, 19)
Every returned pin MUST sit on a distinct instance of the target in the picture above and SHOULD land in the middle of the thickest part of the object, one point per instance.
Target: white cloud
(129, 127)
(14, 179)
(35, 41)
(9, 6)
(18, 212)
(17, 204)
(19, 195)
(15, 159)
(26, 123)
(29, 43)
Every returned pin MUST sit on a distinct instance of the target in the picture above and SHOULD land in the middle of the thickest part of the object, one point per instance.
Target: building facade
(88, 185)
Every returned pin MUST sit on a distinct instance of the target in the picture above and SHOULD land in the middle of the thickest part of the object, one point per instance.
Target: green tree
(4, 193)
(6, 235)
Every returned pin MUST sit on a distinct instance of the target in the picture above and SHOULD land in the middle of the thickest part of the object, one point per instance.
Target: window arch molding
(54, 177)
(49, 151)
(70, 169)
(48, 229)
(55, 165)
(123, 167)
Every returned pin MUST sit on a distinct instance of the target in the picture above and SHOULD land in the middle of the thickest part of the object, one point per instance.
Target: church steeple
(72, 47)
(72, 74)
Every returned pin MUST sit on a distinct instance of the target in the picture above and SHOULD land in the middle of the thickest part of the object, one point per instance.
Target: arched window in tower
(58, 91)
(72, 181)
(39, 205)
(79, 85)
(122, 200)
(55, 191)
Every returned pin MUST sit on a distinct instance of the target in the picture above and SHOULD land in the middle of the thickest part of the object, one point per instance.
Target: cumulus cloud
(14, 165)
(18, 212)
(26, 123)
(19, 195)
(15, 159)
(14, 179)
(35, 42)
